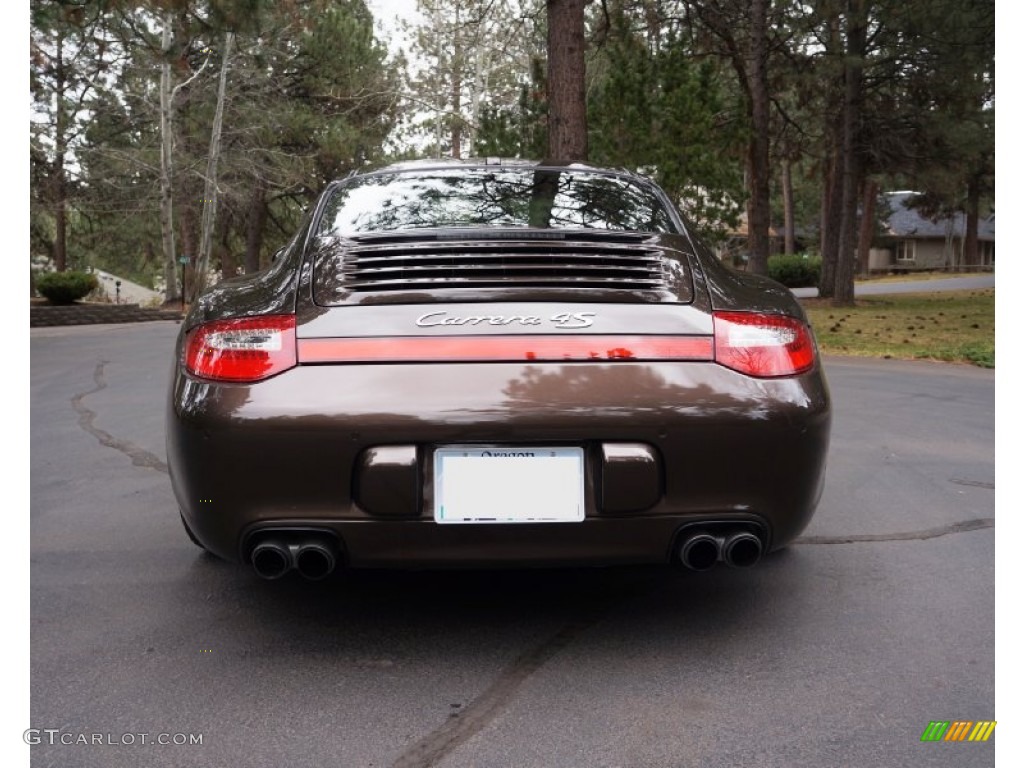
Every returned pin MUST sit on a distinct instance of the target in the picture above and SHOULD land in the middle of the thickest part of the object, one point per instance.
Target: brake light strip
(505, 348)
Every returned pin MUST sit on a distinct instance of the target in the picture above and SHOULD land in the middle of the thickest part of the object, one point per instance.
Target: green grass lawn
(954, 326)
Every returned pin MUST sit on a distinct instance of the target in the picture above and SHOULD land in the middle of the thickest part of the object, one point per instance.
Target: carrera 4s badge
(569, 320)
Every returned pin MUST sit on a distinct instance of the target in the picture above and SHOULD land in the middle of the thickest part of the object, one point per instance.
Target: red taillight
(246, 349)
(763, 345)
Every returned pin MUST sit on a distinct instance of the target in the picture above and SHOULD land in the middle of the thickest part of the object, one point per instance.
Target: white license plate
(508, 484)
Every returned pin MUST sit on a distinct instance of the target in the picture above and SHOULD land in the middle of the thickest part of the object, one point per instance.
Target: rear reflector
(245, 349)
(763, 345)
(504, 348)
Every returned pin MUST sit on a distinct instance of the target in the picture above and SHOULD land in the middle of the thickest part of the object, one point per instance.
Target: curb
(46, 316)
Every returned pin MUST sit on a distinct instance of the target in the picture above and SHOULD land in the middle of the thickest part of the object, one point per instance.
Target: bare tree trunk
(60, 213)
(187, 224)
(481, 60)
(856, 42)
(60, 181)
(210, 187)
(743, 29)
(567, 104)
(457, 91)
(438, 93)
(759, 218)
(166, 166)
(833, 194)
(223, 254)
(867, 225)
(971, 256)
(826, 183)
(787, 207)
(949, 249)
(847, 262)
(833, 225)
(254, 228)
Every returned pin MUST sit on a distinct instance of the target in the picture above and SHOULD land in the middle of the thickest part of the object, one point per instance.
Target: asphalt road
(966, 282)
(836, 652)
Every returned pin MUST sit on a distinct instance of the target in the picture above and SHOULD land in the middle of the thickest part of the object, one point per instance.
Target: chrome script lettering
(432, 319)
(568, 320)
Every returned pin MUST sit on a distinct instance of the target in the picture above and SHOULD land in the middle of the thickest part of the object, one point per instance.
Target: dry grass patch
(915, 277)
(955, 326)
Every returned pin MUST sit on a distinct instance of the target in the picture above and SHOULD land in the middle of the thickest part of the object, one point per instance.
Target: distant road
(967, 283)
(130, 293)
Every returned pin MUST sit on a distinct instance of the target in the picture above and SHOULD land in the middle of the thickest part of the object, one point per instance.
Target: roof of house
(907, 222)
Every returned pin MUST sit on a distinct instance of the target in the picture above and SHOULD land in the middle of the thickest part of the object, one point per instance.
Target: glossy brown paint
(387, 481)
(285, 450)
(631, 477)
(269, 292)
(348, 448)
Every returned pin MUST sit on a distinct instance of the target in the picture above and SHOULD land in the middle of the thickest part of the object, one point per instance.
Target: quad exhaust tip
(271, 559)
(315, 558)
(702, 550)
(741, 550)
(315, 561)
(699, 552)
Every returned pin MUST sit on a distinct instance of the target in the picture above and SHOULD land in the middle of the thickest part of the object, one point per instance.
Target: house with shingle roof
(910, 240)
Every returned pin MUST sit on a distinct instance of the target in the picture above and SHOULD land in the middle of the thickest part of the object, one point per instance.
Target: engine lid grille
(477, 265)
(352, 270)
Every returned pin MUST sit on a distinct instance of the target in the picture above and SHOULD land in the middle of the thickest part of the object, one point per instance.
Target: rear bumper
(292, 451)
(424, 544)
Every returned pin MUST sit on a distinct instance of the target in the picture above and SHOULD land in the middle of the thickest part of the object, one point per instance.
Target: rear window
(493, 197)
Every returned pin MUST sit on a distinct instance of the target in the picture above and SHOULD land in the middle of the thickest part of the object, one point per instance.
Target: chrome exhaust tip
(699, 552)
(742, 550)
(271, 559)
(315, 560)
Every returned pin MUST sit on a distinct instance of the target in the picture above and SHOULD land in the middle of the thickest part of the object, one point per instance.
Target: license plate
(508, 484)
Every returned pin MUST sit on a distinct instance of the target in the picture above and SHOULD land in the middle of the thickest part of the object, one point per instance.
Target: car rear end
(497, 396)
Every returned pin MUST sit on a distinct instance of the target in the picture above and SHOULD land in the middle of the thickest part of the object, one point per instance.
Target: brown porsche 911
(495, 364)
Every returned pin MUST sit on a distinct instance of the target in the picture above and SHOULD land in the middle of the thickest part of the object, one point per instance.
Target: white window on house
(906, 250)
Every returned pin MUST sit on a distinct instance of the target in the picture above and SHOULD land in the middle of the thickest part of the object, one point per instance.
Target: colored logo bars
(958, 730)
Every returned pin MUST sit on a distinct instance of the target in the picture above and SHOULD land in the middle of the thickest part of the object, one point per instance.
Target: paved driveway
(967, 283)
(836, 652)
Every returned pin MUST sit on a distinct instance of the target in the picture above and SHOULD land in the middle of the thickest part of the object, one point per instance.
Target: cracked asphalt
(836, 652)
